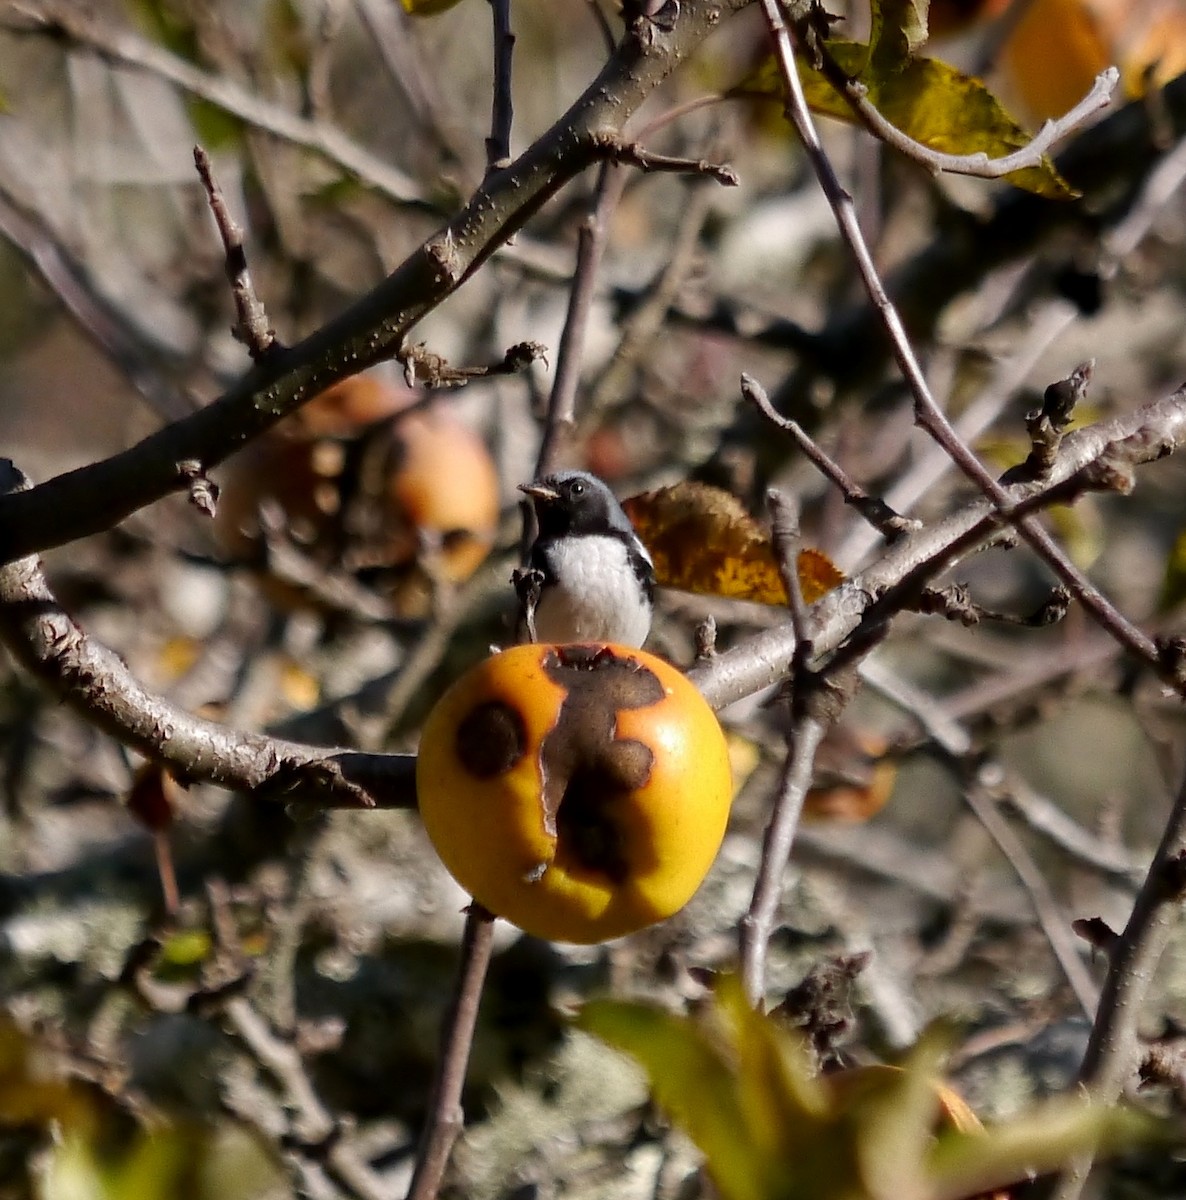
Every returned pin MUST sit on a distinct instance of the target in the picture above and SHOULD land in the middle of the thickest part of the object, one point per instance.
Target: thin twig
(1137, 437)
(784, 532)
(927, 413)
(878, 514)
(957, 745)
(641, 326)
(942, 724)
(1112, 1050)
(95, 497)
(632, 154)
(758, 923)
(47, 641)
(128, 49)
(979, 164)
(423, 367)
(120, 338)
(809, 722)
(933, 462)
(314, 1131)
(1162, 185)
(432, 643)
(445, 1117)
(498, 144)
(560, 419)
(406, 64)
(1044, 327)
(251, 325)
(1055, 923)
(1047, 423)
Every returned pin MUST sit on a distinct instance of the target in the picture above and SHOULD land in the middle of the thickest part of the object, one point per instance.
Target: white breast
(596, 595)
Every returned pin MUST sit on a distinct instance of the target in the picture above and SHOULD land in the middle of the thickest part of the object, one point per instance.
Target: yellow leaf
(694, 1080)
(427, 8)
(33, 1090)
(928, 100)
(740, 1083)
(298, 686)
(1173, 581)
(897, 29)
(702, 540)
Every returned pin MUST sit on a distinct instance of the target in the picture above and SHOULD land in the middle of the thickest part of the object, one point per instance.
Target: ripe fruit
(360, 486)
(580, 792)
(1053, 53)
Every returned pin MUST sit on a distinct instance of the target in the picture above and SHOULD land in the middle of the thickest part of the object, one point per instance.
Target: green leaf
(287, 44)
(694, 1082)
(186, 948)
(897, 29)
(741, 1085)
(896, 1117)
(926, 99)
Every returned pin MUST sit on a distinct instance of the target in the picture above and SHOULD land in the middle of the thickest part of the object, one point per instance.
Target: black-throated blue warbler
(592, 578)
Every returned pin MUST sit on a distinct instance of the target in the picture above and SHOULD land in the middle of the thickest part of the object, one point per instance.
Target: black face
(582, 504)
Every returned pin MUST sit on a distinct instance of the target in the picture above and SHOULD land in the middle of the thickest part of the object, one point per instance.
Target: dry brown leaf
(703, 540)
(854, 777)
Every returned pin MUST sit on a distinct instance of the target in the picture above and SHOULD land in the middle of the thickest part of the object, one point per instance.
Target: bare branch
(1138, 437)
(560, 419)
(422, 366)
(784, 532)
(1112, 1051)
(879, 514)
(927, 413)
(631, 154)
(758, 923)
(94, 498)
(251, 326)
(45, 639)
(498, 144)
(444, 1114)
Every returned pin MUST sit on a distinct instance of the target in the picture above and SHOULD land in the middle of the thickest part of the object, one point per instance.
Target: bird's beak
(540, 491)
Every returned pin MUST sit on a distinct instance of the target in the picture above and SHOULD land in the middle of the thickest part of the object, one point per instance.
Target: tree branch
(1112, 1050)
(95, 497)
(1142, 436)
(86, 675)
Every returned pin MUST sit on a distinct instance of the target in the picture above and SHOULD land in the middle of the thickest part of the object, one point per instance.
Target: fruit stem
(445, 1117)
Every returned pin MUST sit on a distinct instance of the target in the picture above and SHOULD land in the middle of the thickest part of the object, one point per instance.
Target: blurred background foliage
(269, 1024)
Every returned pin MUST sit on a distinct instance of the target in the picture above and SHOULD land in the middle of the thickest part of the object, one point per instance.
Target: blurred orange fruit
(1058, 47)
(361, 486)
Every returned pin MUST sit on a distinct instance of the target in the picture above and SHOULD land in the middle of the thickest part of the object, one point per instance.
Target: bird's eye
(577, 488)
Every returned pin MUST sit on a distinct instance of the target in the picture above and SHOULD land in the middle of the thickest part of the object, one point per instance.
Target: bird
(589, 577)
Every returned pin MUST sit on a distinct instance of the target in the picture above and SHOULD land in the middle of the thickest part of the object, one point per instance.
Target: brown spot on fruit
(491, 739)
(596, 721)
(587, 770)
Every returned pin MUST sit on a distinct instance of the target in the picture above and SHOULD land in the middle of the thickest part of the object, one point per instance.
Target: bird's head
(575, 502)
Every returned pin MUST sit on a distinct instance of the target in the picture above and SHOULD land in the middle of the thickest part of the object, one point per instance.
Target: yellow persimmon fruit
(579, 791)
